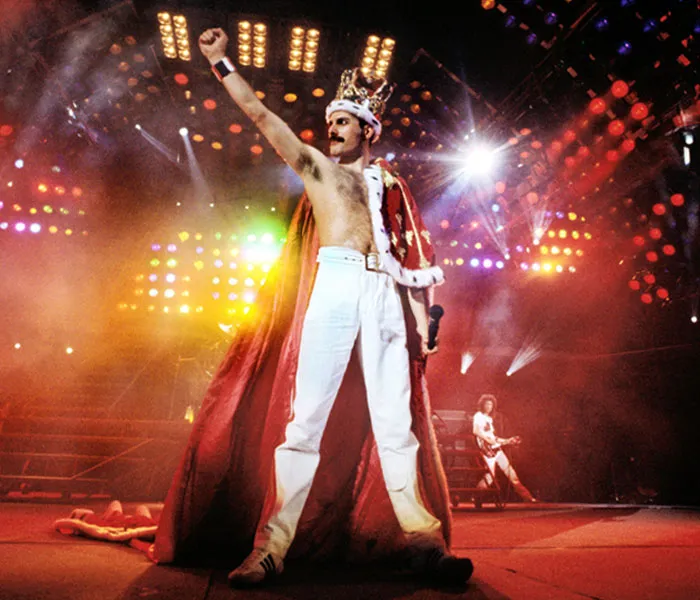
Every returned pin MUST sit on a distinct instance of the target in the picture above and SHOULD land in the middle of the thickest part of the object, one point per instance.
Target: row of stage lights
(303, 49)
(174, 36)
(253, 41)
(215, 285)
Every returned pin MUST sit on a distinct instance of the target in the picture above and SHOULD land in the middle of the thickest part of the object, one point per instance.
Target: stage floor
(548, 551)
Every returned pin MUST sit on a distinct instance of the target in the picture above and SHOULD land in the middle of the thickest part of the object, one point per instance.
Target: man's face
(488, 407)
(345, 134)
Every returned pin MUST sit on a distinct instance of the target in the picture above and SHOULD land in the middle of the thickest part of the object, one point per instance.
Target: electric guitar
(490, 450)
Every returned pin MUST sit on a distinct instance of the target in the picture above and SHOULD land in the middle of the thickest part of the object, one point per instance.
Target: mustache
(335, 138)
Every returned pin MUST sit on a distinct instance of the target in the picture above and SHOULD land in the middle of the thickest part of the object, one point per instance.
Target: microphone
(436, 312)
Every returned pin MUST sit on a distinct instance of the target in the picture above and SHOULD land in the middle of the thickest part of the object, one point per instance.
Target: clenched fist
(213, 43)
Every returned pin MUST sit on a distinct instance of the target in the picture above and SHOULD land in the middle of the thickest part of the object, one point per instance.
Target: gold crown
(372, 93)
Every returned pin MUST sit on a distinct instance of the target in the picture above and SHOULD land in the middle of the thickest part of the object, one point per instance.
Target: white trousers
(350, 304)
(502, 461)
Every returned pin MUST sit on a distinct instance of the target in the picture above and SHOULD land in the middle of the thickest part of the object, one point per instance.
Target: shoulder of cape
(389, 175)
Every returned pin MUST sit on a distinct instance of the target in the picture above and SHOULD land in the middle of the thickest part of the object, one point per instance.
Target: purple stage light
(625, 48)
(602, 24)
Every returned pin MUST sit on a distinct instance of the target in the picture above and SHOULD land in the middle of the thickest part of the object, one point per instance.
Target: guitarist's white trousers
(502, 461)
(350, 307)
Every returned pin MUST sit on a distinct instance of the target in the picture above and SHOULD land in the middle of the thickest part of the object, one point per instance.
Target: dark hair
(364, 123)
(483, 399)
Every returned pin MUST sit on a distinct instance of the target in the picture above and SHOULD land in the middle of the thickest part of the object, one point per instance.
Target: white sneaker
(260, 566)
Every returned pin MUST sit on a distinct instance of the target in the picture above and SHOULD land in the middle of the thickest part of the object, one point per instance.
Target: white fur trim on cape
(361, 111)
(414, 278)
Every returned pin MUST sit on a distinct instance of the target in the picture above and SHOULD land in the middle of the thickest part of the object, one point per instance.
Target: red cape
(217, 495)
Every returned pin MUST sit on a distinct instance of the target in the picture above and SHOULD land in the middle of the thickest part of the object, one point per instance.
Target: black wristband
(223, 67)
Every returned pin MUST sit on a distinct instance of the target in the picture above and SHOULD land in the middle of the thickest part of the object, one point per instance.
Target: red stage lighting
(634, 285)
(620, 89)
(640, 111)
(628, 146)
(652, 256)
(616, 127)
(677, 200)
(669, 249)
(662, 293)
(649, 279)
(646, 298)
(597, 106)
(638, 240)
(659, 209)
(655, 233)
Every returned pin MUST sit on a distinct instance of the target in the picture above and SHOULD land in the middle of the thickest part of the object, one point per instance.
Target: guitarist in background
(491, 447)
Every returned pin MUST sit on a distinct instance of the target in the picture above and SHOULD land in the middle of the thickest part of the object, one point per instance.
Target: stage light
(531, 39)
(377, 56)
(624, 49)
(616, 128)
(639, 111)
(35, 228)
(602, 24)
(69, 350)
(597, 106)
(628, 145)
(551, 18)
(479, 161)
(303, 49)
(19, 163)
(184, 131)
(677, 200)
(474, 262)
(649, 25)
(620, 89)
(634, 285)
(646, 298)
(467, 360)
(693, 319)
(511, 21)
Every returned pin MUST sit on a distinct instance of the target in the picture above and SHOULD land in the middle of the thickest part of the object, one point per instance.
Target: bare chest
(350, 188)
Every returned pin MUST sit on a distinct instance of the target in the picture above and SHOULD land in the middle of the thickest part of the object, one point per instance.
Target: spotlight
(19, 163)
(480, 160)
(137, 127)
(183, 131)
(693, 319)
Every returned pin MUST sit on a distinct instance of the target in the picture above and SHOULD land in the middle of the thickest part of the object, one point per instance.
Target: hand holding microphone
(436, 312)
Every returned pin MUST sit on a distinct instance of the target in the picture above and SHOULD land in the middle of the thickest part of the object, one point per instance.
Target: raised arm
(293, 151)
